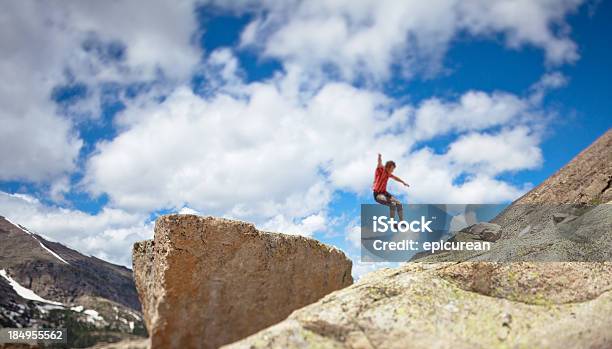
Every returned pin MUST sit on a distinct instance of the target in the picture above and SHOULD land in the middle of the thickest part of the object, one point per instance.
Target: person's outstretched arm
(399, 180)
(379, 160)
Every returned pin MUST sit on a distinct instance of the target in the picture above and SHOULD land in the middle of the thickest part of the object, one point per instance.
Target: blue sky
(275, 114)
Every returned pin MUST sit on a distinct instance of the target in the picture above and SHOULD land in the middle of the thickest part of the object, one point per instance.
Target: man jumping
(381, 195)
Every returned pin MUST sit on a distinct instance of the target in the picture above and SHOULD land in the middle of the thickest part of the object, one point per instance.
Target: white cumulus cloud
(44, 45)
(368, 38)
(265, 154)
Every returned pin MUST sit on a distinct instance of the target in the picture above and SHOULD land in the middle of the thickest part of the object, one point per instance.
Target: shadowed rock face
(204, 282)
(487, 300)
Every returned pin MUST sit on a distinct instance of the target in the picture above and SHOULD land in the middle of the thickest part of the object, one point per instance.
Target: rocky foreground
(205, 281)
(448, 305)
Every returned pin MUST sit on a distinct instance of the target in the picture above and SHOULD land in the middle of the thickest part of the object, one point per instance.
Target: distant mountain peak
(37, 238)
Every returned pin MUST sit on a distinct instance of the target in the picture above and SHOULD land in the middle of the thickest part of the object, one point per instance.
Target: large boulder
(204, 282)
(486, 231)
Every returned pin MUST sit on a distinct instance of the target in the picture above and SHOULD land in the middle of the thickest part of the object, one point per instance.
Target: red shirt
(381, 176)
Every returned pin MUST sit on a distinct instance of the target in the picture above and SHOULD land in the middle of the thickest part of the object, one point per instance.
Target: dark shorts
(385, 193)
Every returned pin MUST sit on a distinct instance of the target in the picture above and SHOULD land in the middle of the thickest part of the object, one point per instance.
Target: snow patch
(46, 307)
(25, 292)
(134, 315)
(78, 308)
(93, 316)
(50, 251)
(18, 226)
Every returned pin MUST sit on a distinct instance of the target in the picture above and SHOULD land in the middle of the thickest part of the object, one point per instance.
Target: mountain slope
(586, 179)
(566, 218)
(56, 272)
(44, 283)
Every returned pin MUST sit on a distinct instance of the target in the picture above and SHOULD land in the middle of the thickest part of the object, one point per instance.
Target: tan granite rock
(204, 282)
